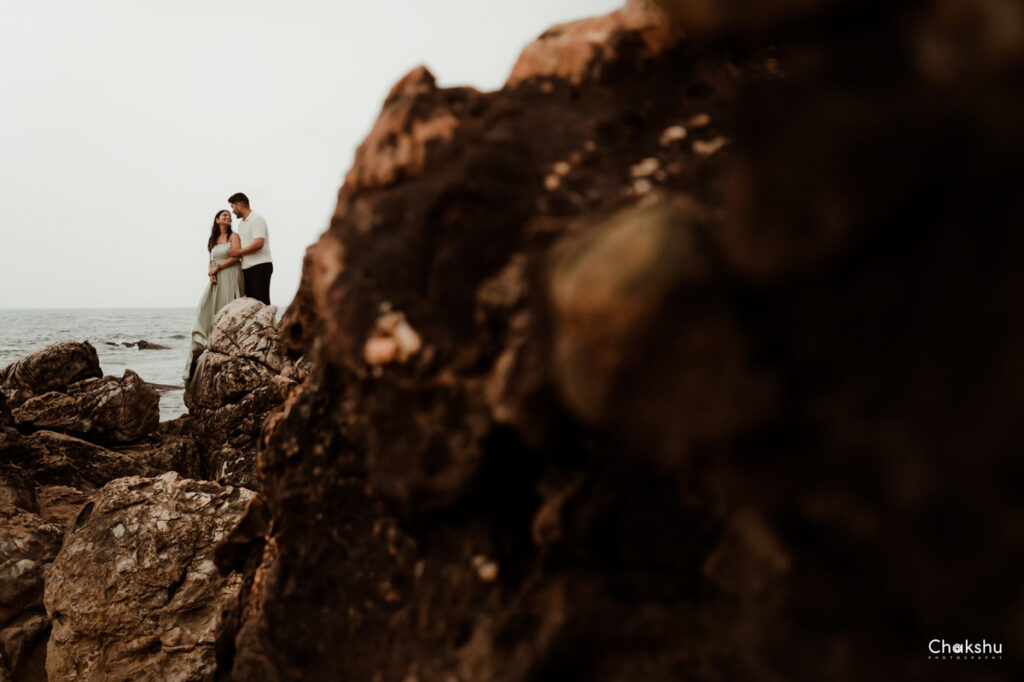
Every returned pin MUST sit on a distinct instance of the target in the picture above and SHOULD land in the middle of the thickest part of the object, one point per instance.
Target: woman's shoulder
(235, 237)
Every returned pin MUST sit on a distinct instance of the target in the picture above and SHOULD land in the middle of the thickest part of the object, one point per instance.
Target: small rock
(672, 134)
(642, 186)
(486, 569)
(749, 556)
(645, 168)
(699, 121)
(393, 339)
(146, 345)
(380, 351)
(709, 147)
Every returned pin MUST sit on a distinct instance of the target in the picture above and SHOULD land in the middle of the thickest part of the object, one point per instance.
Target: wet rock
(142, 344)
(53, 368)
(134, 592)
(106, 409)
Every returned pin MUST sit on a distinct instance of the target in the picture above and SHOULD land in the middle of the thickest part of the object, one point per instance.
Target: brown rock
(582, 50)
(246, 328)
(52, 458)
(27, 546)
(221, 379)
(108, 409)
(238, 381)
(142, 344)
(494, 506)
(408, 124)
(607, 288)
(709, 18)
(231, 434)
(53, 368)
(60, 504)
(134, 593)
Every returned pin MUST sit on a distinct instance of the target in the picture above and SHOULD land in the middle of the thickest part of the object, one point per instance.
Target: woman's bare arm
(236, 243)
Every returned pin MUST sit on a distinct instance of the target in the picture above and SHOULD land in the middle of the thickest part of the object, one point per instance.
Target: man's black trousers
(257, 281)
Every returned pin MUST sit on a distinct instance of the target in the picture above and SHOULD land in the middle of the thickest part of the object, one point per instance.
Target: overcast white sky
(124, 126)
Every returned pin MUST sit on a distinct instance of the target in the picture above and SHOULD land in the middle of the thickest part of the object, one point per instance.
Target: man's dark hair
(239, 198)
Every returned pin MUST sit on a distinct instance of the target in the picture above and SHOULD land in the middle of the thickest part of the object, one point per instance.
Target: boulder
(583, 50)
(134, 592)
(239, 380)
(53, 368)
(244, 353)
(60, 504)
(231, 434)
(53, 458)
(246, 328)
(176, 445)
(106, 409)
(716, 367)
(222, 379)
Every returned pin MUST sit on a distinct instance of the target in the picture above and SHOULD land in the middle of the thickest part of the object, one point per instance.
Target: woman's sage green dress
(229, 286)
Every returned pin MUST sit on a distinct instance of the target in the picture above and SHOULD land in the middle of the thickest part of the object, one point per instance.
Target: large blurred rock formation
(690, 354)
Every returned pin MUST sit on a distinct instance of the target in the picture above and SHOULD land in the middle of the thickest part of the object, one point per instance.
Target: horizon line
(132, 307)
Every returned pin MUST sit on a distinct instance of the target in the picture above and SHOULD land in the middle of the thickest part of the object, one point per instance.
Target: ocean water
(25, 331)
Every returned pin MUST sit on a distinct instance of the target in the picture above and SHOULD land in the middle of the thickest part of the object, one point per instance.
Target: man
(257, 266)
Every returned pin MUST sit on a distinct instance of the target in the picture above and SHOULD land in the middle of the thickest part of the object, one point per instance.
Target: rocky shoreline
(110, 518)
(691, 353)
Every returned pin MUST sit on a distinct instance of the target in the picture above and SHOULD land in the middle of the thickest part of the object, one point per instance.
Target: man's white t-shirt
(251, 229)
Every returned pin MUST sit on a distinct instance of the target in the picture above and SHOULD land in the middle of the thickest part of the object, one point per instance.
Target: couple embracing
(240, 265)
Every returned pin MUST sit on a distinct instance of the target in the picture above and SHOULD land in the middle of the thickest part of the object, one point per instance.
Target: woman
(225, 286)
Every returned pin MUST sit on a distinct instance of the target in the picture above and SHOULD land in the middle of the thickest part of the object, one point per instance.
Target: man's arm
(236, 251)
(259, 231)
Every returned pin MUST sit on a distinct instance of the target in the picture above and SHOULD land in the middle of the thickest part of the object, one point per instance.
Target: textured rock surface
(107, 409)
(28, 544)
(726, 432)
(238, 381)
(578, 51)
(134, 592)
(52, 458)
(246, 328)
(222, 379)
(53, 368)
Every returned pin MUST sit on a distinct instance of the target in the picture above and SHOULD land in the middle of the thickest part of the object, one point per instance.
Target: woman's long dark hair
(215, 232)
